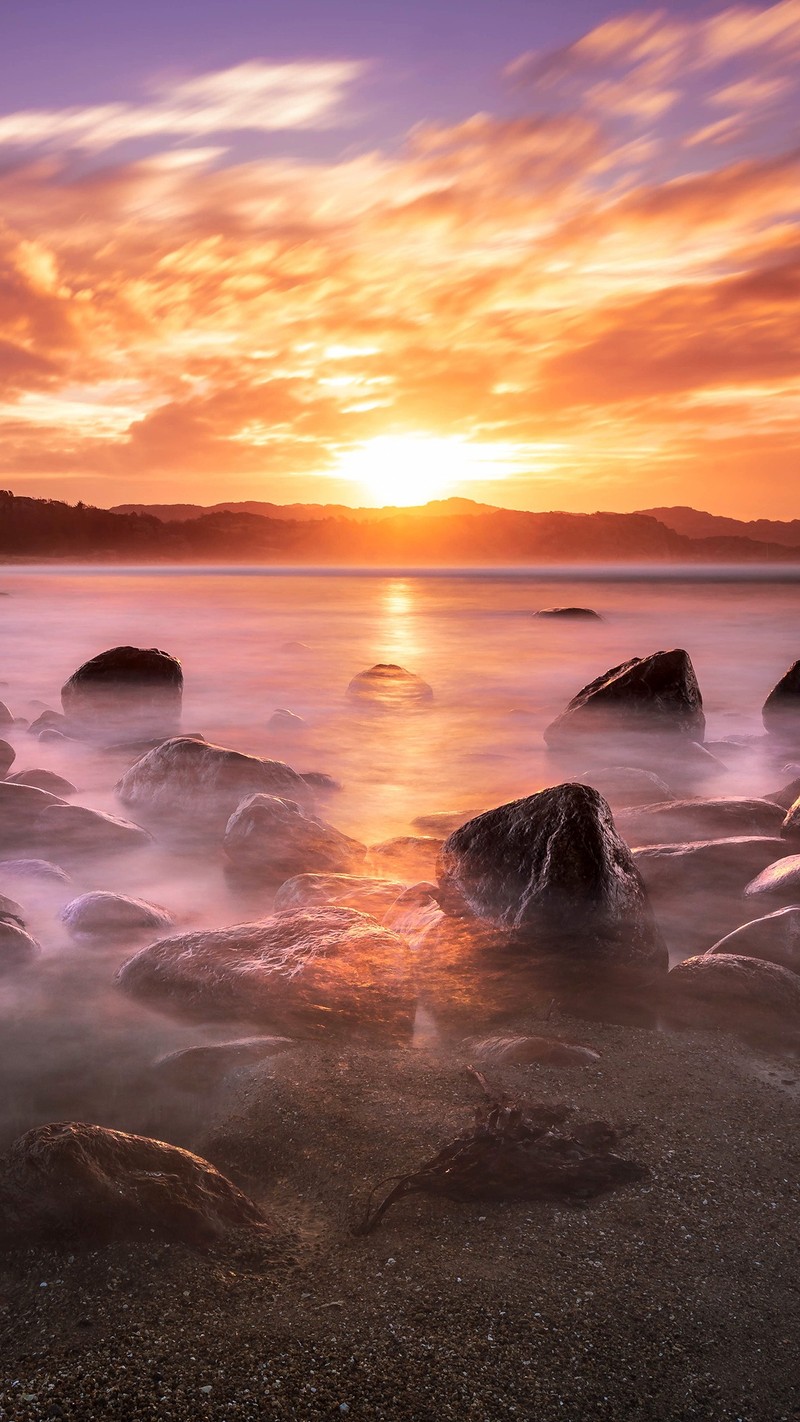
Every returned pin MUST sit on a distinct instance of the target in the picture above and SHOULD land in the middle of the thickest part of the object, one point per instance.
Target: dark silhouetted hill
(692, 523)
(303, 512)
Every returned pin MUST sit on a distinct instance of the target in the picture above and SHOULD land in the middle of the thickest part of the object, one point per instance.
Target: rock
(572, 613)
(786, 796)
(138, 748)
(415, 912)
(47, 721)
(9, 908)
(516, 1050)
(6, 719)
(373, 896)
(125, 689)
(88, 1185)
(646, 695)
(317, 780)
(51, 735)
(21, 807)
(44, 780)
(17, 947)
(724, 989)
(781, 710)
(102, 912)
(554, 867)
(389, 686)
(775, 938)
(407, 856)
(7, 757)
(790, 828)
(75, 830)
(201, 1068)
(276, 840)
(443, 822)
(203, 783)
(310, 972)
(283, 720)
(33, 871)
(719, 865)
(778, 883)
(698, 819)
(625, 786)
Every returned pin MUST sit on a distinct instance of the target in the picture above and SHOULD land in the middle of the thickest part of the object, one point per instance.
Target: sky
(544, 256)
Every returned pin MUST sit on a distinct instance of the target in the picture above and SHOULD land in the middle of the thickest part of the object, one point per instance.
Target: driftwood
(516, 1151)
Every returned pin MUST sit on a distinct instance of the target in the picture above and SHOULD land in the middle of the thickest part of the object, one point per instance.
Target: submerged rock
(102, 912)
(373, 896)
(707, 866)
(698, 819)
(74, 830)
(9, 908)
(21, 808)
(7, 757)
(553, 868)
(722, 988)
(779, 882)
(125, 689)
(407, 856)
(87, 1184)
(775, 938)
(6, 719)
(33, 871)
(47, 721)
(44, 780)
(203, 784)
(283, 720)
(571, 613)
(645, 695)
(201, 1068)
(276, 840)
(517, 1050)
(390, 686)
(786, 796)
(17, 947)
(625, 786)
(781, 710)
(313, 972)
(318, 780)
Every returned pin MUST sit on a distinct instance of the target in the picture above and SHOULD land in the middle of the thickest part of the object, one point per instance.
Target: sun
(410, 469)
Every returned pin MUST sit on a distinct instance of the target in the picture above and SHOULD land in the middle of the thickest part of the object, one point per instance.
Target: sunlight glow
(405, 470)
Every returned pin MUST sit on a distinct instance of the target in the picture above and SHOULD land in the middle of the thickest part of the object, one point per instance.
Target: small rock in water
(21, 808)
(43, 780)
(389, 686)
(698, 819)
(7, 757)
(17, 947)
(374, 896)
(33, 870)
(781, 710)
(786, 796)
(125, 689)
(718, 988)
(75, 830)
(276, 840)
(283, 720)
(9, 908)
(625, 786)
(646, 695)
(571, 613)
(318, 780)
(515, 1050)
(102, 912)
(775, 938)
(778, 883)
(6, 719)
(200, 1068)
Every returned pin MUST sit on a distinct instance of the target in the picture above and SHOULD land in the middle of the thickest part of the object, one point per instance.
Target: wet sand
(673, 1298)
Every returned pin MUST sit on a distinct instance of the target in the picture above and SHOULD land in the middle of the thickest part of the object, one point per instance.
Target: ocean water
(499, 675)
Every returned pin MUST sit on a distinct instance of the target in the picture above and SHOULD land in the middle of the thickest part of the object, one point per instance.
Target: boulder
(625, 786)
(573, 614)
(201, 1068)
(276, 840)
(6, 719)
(729, 989)
(518, 1050)
(21, 807)
(124, 690)
(310, 972)
(553, 868)
(74, 830)
(646, 695)
(86, 1184)
(781, 710)
(17, 947)
(778, 883)
(716, 865)
(407, 856)
(390, 686)
(373, 896)
(775, 938)
(102, 912)
(283, 720)
(790, 828)
(697, 819)
(47, 721)
(786, 796)
(33, 871)
(7, 757)
(202, 784)
(44, 780)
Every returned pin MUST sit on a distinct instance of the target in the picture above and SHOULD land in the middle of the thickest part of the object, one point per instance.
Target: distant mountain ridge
(692, 523)
(47, 529)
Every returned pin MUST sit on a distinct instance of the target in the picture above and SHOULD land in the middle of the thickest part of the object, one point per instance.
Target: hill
(692, 523)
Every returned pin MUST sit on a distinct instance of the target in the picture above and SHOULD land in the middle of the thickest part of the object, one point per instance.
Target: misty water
(253, 641)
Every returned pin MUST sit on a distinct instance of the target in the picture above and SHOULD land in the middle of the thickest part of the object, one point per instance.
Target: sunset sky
(546, 256)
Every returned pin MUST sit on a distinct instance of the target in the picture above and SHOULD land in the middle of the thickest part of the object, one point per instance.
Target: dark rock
(697, 819)
(651, 694)
(129, 689)
(283, 720)
(516, 1050)
(276, 840)
(624, 786)
(553, 867)
(389, 686)
(572, 613)
(786, 796)
(407, 856)
(6, 719)
(43, 780)
(201, 1068)
(775, 938)
(104, 913)
(312, 972)
(47, 721)
(781, 710)
(17, 947)
(89, 1185)
(317, 780)
(74, 830)
(7, 757)
(778, 883)
(203, 784)
(790, 828)
(721, 989)
(373, 896)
